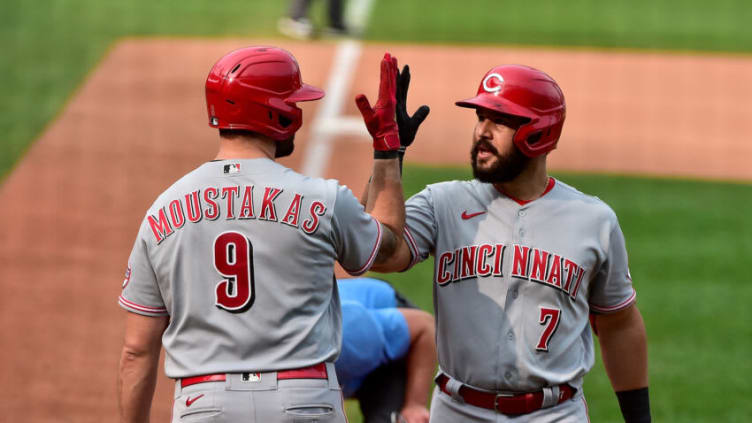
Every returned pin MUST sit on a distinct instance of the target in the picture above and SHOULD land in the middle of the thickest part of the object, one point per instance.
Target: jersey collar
(549, 187)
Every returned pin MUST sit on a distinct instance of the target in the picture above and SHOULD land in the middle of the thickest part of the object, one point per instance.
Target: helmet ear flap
(540, 135)
(535, 137)
(283, 120)
(287, 122)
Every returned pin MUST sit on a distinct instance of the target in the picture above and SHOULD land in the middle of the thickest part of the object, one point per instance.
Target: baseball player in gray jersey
(521, 261)
(233, 265)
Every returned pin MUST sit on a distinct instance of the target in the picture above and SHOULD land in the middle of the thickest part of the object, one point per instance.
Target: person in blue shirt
(388, 352)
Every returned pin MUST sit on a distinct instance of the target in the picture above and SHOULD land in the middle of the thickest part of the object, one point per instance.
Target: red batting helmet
(529, 93)
(255, 89)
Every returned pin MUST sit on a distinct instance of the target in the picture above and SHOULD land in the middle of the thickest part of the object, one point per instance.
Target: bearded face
(498, 167)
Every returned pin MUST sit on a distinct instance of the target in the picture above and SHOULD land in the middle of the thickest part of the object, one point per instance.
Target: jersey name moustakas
(235, 202)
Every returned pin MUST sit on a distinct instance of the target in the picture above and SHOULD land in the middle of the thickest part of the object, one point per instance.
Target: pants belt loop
(331, 375)
(178, 389)
(550, 396)
(453, 387)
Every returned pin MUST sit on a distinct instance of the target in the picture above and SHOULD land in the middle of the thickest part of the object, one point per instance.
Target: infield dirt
(72, 206)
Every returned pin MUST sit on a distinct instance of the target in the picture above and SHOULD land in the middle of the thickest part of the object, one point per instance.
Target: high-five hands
(380, 120)
(408, 125)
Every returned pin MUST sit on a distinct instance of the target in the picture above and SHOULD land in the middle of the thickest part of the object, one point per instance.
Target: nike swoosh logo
(189, 400)
(466, 216)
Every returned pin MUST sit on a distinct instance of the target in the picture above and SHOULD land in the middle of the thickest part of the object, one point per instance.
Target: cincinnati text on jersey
(528, 263)
(234, 202)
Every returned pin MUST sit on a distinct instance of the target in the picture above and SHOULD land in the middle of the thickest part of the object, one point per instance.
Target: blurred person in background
(388, 352)
(298, 25)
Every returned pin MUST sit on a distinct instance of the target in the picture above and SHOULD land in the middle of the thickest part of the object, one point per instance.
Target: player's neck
(245, 148)
(529, 184)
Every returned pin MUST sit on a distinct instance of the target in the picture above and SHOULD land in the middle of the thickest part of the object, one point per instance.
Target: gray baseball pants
(260, 398)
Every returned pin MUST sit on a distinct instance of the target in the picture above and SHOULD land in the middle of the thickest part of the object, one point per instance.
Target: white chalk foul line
(346, 126)
(328, 119)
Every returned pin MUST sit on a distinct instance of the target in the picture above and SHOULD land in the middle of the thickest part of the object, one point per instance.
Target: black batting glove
(408, 125)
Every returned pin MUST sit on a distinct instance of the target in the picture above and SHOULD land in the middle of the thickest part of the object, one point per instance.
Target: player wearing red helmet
(521, 261)
(529, 94)
(232, 270)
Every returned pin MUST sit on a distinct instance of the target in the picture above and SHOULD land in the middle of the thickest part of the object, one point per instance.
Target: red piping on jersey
(370, 260)
(619, 306)
(412, 247)
(587, 412)
(139, 307)
(549, 187)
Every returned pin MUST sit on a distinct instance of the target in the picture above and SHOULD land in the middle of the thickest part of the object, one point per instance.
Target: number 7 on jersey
(549, 318)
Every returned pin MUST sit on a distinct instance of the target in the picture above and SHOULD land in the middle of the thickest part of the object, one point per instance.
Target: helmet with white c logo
(525, 92)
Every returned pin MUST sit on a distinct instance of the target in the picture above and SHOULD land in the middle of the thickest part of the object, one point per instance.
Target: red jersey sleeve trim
(157, 311)
(413, 247)
(624, 304)
(372, 257)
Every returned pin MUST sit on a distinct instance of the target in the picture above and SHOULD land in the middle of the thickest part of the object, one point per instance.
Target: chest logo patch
(466, 215)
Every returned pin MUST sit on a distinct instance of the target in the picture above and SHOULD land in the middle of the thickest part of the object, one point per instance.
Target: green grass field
(49, 47)
(690, 243)
(654, 24)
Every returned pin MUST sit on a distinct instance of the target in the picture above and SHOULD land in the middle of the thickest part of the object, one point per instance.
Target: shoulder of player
(447, 192)
(454, 186)
(169, 193)
(307, 183)
(592, 202)
(311, 189)
(292, 180)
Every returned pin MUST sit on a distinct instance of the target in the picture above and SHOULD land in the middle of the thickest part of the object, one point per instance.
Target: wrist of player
(635, 405)
(386, 155)
(386, 145)
(401, 155)
(386, 139)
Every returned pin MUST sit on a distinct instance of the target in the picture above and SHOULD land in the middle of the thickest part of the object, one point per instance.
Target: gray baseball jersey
(515, 281)
(240, 254)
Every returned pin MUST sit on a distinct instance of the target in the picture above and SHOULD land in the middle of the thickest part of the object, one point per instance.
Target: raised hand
(408, 125)
(380, 120)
